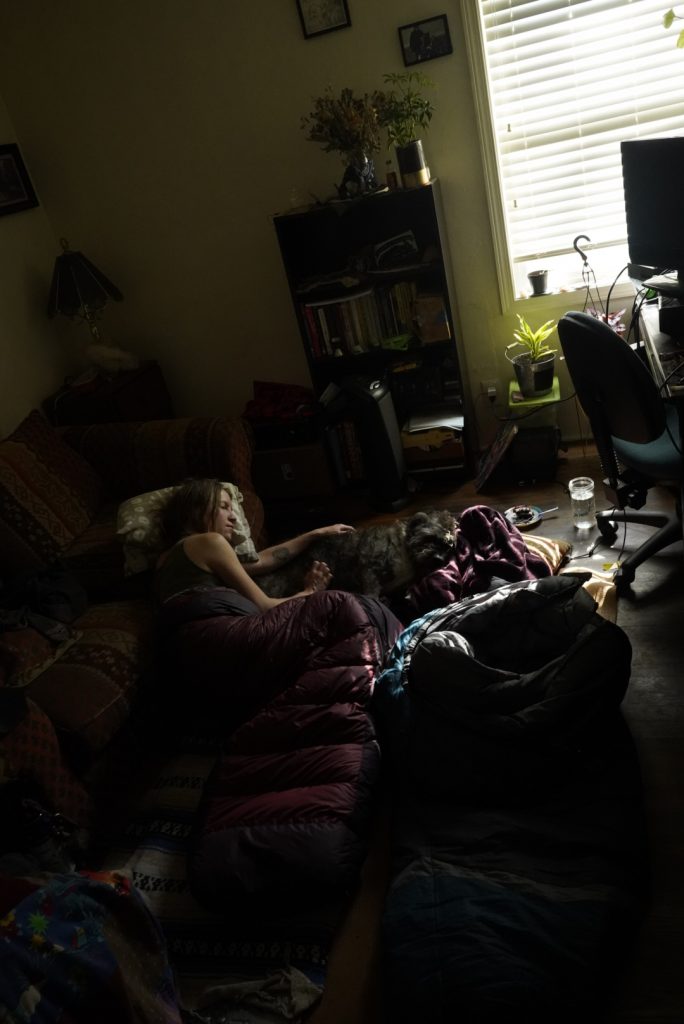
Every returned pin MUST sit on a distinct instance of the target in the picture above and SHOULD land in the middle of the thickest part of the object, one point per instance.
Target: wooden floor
(652, 615)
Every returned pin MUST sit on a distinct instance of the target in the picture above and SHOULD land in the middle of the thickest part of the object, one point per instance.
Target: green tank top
(179, 573)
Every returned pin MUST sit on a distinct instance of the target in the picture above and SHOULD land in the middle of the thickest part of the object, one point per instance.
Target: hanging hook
(577, 249)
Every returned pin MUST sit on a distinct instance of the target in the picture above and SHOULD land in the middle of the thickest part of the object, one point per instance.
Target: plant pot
(534, 379)
(412, 167)
(539, 281)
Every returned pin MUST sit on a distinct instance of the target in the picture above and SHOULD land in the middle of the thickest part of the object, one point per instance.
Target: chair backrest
(613, 386)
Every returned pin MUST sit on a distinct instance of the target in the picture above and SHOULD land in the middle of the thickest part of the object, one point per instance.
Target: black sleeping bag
(518, 840)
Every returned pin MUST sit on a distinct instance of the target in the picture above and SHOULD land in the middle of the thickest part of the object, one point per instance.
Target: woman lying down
(229, 636)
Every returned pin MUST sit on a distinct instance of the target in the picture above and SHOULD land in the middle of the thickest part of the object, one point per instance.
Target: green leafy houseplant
(345, 124)
(404, 111)
(533, 341)
(534, 365)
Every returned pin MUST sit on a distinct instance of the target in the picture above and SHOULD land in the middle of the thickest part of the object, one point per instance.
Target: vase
(534, 378)
(412, 167)
(539, 281)
(359, 178)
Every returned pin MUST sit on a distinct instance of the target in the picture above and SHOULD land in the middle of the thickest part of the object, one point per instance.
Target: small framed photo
(425, 40)
(319, 16)
(16, 190)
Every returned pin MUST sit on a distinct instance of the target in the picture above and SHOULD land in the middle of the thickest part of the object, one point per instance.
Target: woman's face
(225, 518)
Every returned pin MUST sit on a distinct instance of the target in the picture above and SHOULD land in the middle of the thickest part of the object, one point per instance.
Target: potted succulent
(349, 125)
(535, 365)
(405, 112)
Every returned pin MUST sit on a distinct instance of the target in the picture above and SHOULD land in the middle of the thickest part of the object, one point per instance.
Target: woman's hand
(318, 577)
(332, 531)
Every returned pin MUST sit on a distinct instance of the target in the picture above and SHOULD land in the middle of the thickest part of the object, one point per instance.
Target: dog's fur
(376, 560)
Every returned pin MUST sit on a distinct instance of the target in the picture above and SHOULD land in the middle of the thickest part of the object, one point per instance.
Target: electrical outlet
(490, 388)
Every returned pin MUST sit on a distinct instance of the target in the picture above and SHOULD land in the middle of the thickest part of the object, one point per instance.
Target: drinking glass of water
(582, 502)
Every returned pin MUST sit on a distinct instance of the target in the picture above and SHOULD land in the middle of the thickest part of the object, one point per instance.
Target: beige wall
(31, 355)
(163, 134)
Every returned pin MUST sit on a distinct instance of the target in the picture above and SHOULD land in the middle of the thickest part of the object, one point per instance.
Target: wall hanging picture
(425, 40)
(16, 190)
(319, 16)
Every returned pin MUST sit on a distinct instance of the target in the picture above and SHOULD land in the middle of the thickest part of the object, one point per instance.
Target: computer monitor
(653, 179)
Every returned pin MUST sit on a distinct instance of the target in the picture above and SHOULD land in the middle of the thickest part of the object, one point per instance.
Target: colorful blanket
(80, 947)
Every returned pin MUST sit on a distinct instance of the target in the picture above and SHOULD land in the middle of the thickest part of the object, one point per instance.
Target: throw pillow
(48, 495)
(26, 653)
(137, 525)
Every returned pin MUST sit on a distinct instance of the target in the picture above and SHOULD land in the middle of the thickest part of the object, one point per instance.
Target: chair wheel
(623, 578)
(607, 529)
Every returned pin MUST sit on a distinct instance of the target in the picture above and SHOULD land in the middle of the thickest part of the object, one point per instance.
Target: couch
(60, 489)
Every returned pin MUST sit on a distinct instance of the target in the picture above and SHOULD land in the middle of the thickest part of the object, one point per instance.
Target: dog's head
(431, 538)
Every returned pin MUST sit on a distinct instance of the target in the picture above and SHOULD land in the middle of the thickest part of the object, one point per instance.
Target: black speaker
(371, 405)
(671, 316)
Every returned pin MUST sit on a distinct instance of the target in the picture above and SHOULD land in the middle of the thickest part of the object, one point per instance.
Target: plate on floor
(523, 516)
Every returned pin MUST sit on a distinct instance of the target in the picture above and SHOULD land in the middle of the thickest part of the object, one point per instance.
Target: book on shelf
(432, 321)
(361, 321)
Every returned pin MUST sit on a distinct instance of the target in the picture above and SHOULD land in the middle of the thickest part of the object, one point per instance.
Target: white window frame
(490, 158)
(475, 44)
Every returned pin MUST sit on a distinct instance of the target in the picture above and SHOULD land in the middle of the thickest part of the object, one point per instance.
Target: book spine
(312, 331)
(325, 333)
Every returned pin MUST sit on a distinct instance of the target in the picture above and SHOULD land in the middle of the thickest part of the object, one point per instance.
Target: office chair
(636, 431)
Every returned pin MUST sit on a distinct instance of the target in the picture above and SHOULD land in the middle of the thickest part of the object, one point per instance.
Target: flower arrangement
(345, 124)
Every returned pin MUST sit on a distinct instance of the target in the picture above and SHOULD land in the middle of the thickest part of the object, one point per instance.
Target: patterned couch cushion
(134, 458)
(88, 692)
(25, 653)
(31, 751)
(48, 495)
(96, 560)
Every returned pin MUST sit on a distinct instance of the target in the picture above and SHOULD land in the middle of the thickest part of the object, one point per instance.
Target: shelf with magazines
(370, 284)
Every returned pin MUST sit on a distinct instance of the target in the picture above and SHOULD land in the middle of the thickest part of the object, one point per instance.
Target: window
(559, 84)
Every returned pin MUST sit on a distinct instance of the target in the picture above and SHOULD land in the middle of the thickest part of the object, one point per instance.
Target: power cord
(610, 290)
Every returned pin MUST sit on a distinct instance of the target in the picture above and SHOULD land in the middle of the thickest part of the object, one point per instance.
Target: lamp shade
(78, 287)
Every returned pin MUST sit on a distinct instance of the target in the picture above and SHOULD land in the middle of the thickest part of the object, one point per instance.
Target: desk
(665, 355)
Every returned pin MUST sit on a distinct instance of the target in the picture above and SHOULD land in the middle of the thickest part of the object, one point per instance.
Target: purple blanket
(487, 548)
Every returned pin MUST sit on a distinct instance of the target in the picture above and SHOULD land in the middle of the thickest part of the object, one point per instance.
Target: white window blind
(565, 81)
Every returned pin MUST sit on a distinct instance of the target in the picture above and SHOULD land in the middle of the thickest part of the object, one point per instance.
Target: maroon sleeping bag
(286, 811)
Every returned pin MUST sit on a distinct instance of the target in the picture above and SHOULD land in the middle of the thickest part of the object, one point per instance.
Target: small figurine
(359, 177)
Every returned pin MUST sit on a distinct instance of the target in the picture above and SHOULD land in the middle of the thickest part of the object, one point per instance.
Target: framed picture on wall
(319, 16)
(16, 190)
(425, 40)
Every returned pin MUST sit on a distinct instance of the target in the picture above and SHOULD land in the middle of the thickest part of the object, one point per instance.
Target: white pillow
(138, 525)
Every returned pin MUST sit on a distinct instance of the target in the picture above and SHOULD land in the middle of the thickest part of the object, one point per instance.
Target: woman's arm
(213, 553)
(279, 554)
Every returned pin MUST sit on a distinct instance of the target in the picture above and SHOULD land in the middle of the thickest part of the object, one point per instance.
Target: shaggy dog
(375, 560)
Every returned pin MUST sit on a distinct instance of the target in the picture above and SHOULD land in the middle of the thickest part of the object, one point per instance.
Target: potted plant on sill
(535, 365)
(405, 113)
(349, 125)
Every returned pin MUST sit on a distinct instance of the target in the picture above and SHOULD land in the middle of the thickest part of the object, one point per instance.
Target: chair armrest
(133, 458)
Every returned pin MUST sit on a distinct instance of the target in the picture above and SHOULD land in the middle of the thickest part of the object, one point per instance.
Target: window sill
(577, 298)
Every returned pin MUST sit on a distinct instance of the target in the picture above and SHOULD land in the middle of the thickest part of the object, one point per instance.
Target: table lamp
(79, 289)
